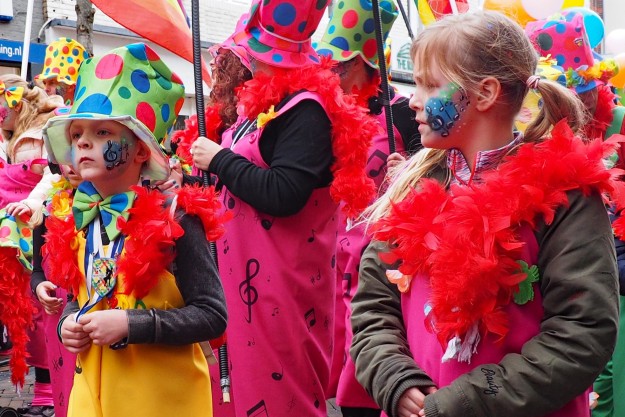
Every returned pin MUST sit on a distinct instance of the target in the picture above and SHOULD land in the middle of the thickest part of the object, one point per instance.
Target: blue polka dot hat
(278, 32)
(130, 85)
(351, 31)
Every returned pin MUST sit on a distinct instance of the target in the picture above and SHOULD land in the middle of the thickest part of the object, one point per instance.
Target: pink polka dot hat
(130, 85)
(278, 32)
(563, 38)
(63, 58)
(351, 31)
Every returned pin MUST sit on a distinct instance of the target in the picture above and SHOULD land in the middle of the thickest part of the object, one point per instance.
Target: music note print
(382, 164)
(344, 241)
(226, 246)
(277, 376)
(315, 278)
(347, 284)
(310, 318)
(247, 292)
(258, 410)
(311, 239)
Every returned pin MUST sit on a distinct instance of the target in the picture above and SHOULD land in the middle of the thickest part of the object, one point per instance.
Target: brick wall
(14, 30)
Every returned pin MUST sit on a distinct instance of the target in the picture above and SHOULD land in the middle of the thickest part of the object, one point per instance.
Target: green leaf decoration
(526, 291)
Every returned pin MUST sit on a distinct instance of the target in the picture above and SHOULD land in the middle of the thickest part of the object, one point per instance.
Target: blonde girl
(490, 286)
(24, 176)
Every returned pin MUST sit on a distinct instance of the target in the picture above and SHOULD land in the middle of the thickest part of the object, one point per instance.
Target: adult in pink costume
(283, 166)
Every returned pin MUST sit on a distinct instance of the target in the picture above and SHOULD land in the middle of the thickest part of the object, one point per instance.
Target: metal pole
(224, 376)
(386, 101)
(406, 18)
(26, 47)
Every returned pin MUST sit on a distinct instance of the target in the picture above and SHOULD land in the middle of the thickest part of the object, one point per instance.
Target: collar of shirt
(484, 161)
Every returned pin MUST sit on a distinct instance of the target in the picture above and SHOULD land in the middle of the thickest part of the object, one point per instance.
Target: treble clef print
(247, 291)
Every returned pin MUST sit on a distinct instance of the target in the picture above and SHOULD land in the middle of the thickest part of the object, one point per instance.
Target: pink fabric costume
(61, 363)
(524, 324)
(279, 280)
(350, 246)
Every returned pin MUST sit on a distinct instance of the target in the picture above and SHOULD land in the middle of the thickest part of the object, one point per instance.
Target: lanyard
(100, 268)
(241, 132)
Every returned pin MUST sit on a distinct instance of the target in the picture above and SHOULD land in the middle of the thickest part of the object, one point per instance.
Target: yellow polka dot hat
(63, 58)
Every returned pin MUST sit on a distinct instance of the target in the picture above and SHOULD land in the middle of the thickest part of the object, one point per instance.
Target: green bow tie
(88, 204)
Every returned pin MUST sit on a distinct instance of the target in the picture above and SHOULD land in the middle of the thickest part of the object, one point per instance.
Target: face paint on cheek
(115, 153)
(4, 113)
(444, 110)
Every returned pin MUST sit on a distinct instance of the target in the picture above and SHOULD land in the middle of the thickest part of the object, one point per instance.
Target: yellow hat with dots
(63, 58)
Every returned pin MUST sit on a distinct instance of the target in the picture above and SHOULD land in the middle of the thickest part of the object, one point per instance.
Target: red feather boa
(429, 226)
(16, 309)
(185, 138)
(602, 119)
(150, 231)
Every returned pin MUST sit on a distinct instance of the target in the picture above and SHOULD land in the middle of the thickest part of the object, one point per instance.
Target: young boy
(147, 289)
(60, 68)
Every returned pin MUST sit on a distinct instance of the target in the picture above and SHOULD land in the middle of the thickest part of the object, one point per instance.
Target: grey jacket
(579, 285)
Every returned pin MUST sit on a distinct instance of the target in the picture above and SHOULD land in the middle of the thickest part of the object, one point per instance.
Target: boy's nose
(83, 142)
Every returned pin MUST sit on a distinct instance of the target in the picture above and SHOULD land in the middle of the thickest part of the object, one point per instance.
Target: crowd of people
(466, 263)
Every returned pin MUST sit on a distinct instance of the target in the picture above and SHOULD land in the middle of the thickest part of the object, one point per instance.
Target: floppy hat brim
(59, 149)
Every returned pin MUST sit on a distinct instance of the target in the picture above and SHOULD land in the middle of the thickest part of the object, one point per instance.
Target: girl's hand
(203, 151)
(394, 159)
(412, 400)
(74, 338)
(50, 303)
(18, 209)
(105, 327)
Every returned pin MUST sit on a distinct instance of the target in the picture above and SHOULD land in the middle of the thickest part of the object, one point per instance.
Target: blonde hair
(468, 48)
(37, 108)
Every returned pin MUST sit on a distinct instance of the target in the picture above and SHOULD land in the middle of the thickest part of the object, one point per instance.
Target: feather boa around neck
(150, 231)
(352, 127)
(602, 119)
(471, 286)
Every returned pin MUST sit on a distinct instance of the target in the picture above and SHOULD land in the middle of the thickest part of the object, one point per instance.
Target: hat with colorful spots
(278, 32)
(15, 233)
(563, 38)
(63, 58)
(129, 85)
(231, 45)
(351, 31)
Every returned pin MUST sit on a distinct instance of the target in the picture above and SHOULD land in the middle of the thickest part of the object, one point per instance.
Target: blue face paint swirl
(444, 110)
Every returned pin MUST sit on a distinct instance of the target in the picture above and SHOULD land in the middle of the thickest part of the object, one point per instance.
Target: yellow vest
(142, 380)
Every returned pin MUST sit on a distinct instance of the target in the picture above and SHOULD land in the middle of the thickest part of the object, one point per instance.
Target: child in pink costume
(24, 184)
(490, 289)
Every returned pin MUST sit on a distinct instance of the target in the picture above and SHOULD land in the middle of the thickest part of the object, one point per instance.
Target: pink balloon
(541, 9)
(615, 42)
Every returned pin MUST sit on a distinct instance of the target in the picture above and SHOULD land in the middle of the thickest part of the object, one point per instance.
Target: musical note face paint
(115, 153)
(444, 110)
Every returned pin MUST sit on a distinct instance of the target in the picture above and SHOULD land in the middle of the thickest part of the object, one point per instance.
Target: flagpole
(26, 46)
(386, 101)
(224, 376)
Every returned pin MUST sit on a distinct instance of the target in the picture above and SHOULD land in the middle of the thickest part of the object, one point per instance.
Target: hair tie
(532, 81)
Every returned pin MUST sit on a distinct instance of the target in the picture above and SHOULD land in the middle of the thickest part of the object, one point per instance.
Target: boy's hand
(18, 209)
(44, 292)
(203, 151)
(105, 327)
(74, 338)
(174, 180)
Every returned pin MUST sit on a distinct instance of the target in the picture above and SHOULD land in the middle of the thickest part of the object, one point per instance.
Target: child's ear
(143, 152)
(488, 93)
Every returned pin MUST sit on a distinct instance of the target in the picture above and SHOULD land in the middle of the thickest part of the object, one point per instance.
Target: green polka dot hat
(351, 31)
(130, 85)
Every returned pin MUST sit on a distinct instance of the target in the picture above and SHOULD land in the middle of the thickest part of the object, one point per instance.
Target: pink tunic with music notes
(350, 246)
(279, 280)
